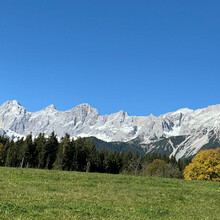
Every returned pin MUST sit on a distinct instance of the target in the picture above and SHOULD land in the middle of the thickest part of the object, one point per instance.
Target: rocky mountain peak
(85, 109)
(197, 126)
(11, 104)
(50, 108)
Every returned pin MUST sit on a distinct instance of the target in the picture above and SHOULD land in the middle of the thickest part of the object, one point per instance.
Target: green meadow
(50, 194)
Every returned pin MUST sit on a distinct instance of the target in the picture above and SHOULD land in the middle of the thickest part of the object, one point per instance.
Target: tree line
(82, 155)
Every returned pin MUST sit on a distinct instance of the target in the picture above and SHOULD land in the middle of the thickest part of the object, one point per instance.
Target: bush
(173, 171)
(157, 168)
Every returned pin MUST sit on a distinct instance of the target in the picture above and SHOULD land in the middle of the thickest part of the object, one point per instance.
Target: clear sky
(142, 56)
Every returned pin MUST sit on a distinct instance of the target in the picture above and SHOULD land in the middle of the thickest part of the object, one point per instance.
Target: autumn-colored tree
(205, 166)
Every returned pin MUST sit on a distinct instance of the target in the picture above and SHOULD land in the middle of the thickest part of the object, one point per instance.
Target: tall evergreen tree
(2, 152)
(12, 158)
(40, 143)
(64, 154)
(92, 157)
(28, 153)
(81, 162)
(51, 149)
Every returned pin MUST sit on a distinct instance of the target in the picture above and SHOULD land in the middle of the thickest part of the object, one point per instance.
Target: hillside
(43, 194)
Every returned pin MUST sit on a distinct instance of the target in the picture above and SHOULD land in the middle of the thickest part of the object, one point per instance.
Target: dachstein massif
(182, 133)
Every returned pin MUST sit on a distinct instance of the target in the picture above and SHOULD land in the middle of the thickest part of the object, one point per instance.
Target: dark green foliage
(12, 158)
(64, 155)
(118, 146)
(51, 149)
(80, 155)
(92, 157)
(40, 143)
(28, 155)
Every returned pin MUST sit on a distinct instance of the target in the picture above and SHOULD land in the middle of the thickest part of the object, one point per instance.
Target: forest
(82, 155)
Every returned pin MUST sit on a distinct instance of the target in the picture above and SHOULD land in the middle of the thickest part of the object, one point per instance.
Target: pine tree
(81, 162)
(101, 161)
(91, 156)
(2, 152)
(40, 143)
(12, 158)
(64, 154)
(27, 154)
(50, 152)
(126, 168)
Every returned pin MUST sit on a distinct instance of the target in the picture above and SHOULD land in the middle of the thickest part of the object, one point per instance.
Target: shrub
(157, 168)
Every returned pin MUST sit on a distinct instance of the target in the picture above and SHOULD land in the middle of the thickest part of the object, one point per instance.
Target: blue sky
(142, 56)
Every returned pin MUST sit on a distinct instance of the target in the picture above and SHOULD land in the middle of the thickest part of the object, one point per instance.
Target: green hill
(43, 194)
(118, 146)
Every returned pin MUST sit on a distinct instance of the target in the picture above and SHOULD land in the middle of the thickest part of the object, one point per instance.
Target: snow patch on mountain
(85, 121)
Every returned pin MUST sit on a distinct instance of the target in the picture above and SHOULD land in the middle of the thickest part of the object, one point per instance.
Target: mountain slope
(194, 130)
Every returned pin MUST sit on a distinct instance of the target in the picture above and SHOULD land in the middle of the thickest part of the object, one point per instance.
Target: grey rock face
(85, 121)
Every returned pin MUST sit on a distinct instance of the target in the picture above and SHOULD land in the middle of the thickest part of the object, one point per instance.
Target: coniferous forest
(82, 155)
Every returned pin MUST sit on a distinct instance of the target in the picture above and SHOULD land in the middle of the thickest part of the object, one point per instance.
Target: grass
(43, 194)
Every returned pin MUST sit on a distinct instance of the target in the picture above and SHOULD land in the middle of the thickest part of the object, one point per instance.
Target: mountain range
(181, 133)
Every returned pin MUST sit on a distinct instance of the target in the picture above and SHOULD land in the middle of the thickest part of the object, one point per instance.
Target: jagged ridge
(197, 127)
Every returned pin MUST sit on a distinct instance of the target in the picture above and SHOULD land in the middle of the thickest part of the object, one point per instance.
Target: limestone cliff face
(197, 126)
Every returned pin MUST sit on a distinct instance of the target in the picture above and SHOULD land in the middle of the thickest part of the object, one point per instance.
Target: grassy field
(43, 194)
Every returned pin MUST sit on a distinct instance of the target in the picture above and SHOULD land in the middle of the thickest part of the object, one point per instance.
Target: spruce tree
(64, 154)
(92, 158)
(51, 149)
(40, 143)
